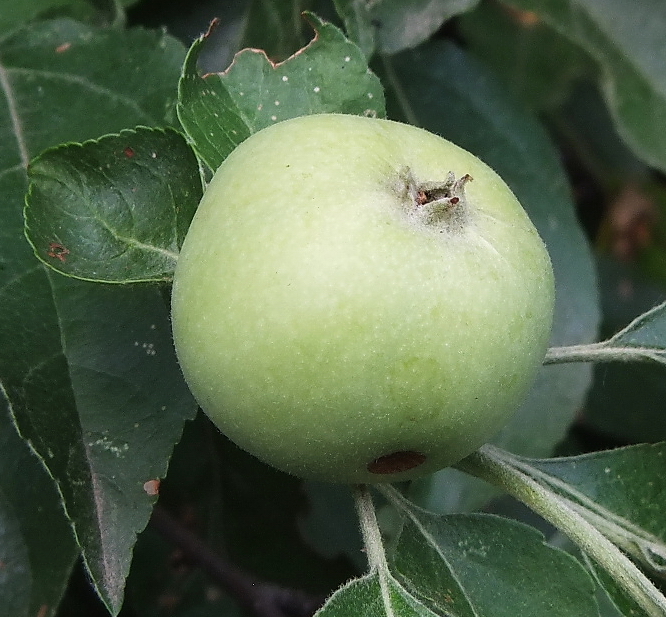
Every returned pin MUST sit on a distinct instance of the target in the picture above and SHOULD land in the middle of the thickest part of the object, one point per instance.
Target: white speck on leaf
(285, 78)
(106, 444)
(316, 89)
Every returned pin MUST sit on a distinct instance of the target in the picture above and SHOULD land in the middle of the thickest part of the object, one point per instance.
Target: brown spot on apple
(396, 462)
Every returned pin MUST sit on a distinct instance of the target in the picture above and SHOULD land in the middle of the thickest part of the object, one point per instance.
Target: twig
(260, 598)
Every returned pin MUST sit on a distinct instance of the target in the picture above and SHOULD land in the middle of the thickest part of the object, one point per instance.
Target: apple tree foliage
(117, 497)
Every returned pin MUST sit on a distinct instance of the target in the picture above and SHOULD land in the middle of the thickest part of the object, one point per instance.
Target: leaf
(480, 564)
(98, 81)
(220, 110)
(373, 596)
(626, 490)
(648, 331)
(622, 493)
(275, 27)
(403, 24)
(442, 89)
(35, 530)
(115, 209)
(122, 413)
(69, 367)
(330, 524)
(15, 14)
(21, 12)
(356, 16)
(622, 402)
(535, 63)
(628, 46)
(643, 339)
(15, 578)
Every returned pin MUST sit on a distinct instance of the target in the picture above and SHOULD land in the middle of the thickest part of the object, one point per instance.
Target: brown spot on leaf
(129, 152)
(62, 48)
(58, 251)
(396, 462)
(152, 487)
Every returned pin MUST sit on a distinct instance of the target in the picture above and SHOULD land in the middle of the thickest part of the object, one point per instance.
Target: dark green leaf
(447, 92)
(66, 363)
(473, 565)
(40, 537)
(330, 524)
(116, 209)
(403, 24)
(627, 487)
(629, 44)
(535, 62)
(622, 493)
(647, 331)
(624, 401)
(15, 574)
(356, 16)
(107, 437)
(62, 82)
(275, 26)
(220, 110)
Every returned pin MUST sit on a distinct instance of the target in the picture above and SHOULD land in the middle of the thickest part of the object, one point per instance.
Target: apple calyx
(438, 205)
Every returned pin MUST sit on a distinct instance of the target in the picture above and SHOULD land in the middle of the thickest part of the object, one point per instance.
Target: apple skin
(330, 328)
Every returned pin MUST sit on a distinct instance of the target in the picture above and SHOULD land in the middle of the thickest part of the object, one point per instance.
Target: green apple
(359, 300)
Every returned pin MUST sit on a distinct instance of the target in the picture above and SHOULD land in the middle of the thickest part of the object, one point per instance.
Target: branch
(259, 598)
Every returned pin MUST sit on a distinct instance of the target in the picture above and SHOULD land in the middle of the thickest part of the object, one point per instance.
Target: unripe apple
(359, 300)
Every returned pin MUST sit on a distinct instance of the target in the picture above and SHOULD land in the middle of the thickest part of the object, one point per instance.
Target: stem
(372, 540)
(495, 466)
(372, 537)
(602, 352)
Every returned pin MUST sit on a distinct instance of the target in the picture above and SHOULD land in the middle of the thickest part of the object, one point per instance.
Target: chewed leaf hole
(396, 462)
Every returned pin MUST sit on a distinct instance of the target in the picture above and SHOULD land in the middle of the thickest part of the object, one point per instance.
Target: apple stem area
(440, 205)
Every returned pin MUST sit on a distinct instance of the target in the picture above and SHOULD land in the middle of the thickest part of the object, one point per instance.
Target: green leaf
(479, 564)
(648, 331)
(374, 595)
(623, 403)
(220, 110)
(15, 575)
(534, 61)
(444, 90)
(275, 26)
(37, 543)
(17, 13)
(356, 16)
(62, 81)
(115, 209)
(643, 339)
(403, 24)
(115, 425)
(626, 490)
(622, 493)
(628, 43)
(69, 365)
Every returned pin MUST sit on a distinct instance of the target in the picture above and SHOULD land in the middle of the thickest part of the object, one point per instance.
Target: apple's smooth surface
(349, 306)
